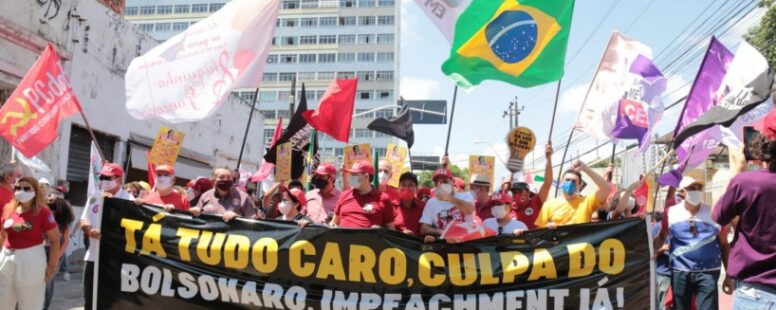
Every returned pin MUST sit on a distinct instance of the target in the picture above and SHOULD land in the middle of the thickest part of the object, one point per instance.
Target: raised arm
(603, 186)
(544, 191)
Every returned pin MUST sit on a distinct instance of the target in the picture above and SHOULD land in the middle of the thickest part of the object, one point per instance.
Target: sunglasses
(23, 188)
(105, 178)
(693, 228)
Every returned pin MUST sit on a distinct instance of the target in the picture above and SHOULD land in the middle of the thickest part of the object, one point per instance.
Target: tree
(762, 36)
(424, 178)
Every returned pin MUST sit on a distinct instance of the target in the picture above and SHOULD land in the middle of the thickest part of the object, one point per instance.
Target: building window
(365, 95)
(365, 75)
(246, 96)
(385, 57)
(180, 26)
(215, 7)
(366, 20)
(328, 39)
(290, 4)
(345, 75)
(289, 76)
(289, 22)
(308, 40)
(385, 94)
(309, 4)
(346, 39)
(386, 3)
(366, 57)
(146, 27)
(272, 59)
(309, 22)
(381, 152)
(379, 135)
(182, 9)
(366, 39)
(269, 133)
(283, 96)
(268, 96)
(284, 113)
(346, 57)
(320, 93)
(347, 3)
(147, 10)
(345, 21)
(385, 75)
(130, 11)
(329, 3)
(383, 113)
(288, 58)
(385, 20)
(289, 41)
(363, 133)
(198, 8)
(164, 9)
(325, 76)
(361, 113)
(307, 58)
(328, 22)
(269, 114)
(162, 27)
(327, 57)
(306, 76)
(385, 38)
(269, 77)
(366, 3)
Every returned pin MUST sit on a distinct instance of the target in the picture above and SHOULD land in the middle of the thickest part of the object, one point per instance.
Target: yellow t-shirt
(562, 212)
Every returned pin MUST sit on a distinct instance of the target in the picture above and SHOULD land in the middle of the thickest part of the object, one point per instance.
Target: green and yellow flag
(518, 42)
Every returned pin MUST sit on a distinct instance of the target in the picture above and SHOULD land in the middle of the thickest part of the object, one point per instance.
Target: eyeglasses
(105, 178)
(23, 188)
(693, 228)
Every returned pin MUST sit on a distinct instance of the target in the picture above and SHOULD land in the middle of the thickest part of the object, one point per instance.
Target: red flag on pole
(335, 112)
(29, 119)
(151, 172)
(266, 168)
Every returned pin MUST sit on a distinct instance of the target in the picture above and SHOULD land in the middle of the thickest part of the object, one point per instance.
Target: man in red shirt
(11, 173)
(363, 206)
(164, 195)
(410, 208)
(526, 204)
(480, 187)
(322, 200)
(384, 175)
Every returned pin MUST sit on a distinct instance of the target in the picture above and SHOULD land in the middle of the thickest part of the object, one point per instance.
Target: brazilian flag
(518, 42)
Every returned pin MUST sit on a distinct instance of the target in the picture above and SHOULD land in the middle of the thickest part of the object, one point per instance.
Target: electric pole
(513, 112)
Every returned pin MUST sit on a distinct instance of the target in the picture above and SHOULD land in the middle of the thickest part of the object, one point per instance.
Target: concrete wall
(97, 46)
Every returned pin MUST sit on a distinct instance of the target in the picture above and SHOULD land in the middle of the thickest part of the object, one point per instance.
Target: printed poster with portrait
(166, 147)
(283, 164)
(354, 153)
(481, 164)
(395, 155)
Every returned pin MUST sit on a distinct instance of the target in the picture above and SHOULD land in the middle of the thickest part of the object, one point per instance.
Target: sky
(670, 28)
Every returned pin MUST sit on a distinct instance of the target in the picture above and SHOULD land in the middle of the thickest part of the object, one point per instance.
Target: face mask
(163, 182)
(284, 207)
(446, 187)
(320, 183)
(224, 185)
(694, 197)
(354, 181)
(569, 188)
(23, 196)
(499, 211)
(190, 193)
(406, 194)
(107, 185)
(383, 177)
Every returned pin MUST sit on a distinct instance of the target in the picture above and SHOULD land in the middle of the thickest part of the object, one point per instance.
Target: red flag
(266, 167)
(460, 232)
(335, 112)
(30, 118)
(151, 172)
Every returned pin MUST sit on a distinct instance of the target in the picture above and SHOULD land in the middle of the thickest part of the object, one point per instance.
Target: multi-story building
(315, 42)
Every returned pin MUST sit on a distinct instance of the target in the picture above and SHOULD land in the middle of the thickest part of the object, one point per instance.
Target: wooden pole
(94, 138)
(450, 125)
(247, 128)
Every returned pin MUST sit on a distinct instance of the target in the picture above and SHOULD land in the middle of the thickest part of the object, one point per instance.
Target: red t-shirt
(526, 209)
(6, 195)
(363, 211)
(27, 229)
(393, 194)
(483, 212)
(177, 200)
(409, 218)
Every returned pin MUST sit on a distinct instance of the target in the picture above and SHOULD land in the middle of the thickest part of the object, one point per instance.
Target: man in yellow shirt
(573, 208)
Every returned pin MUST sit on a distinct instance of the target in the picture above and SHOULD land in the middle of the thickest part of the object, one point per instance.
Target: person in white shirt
(502, 222)
(110, 186)
(446, 207)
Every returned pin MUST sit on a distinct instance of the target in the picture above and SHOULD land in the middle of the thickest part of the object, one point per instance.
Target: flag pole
(554, 111)
(450, 126)
(91, 133)
(247, 128)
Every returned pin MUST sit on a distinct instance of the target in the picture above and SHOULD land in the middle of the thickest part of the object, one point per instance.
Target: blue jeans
(754, 296)
(662, 285)
(702, 284)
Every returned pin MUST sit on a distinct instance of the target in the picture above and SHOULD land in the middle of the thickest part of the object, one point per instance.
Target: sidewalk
(69, 294)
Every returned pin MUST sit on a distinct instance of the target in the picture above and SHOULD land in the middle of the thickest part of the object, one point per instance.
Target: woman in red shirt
(26, 221)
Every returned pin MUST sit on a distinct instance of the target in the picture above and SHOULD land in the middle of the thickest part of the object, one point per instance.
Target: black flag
(399, 126)
(298, 133)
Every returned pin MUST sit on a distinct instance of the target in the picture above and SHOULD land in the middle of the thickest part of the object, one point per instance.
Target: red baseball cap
(424, 191)
(499, 198)
(203, 184)
(298, 195)
(362, 166)
(165, 168)
(459, 183)
(442, 172)
(767, 125)
(112, 170)
(325, 168)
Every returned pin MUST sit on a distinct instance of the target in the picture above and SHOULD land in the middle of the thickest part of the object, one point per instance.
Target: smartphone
(750, 134)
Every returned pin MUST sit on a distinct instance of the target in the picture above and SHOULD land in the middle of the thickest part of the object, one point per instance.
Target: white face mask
(163, 182)
(694, 197)
(107, 185)
(446, 187)
(354, 181)
(284, 207)
(23, 196)
(499, 211)
(383, 177)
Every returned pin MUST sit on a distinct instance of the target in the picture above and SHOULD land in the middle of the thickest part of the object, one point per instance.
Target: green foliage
(424, 178)
(762, 36)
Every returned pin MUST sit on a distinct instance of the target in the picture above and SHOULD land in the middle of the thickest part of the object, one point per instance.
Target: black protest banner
(153, 260)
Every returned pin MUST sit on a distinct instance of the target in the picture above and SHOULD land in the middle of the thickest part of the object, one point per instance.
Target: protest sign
(166, 147)
(521, 141)
(155, 260)
(283, 165)
(395, 156)
(482, 165)
(354, 153)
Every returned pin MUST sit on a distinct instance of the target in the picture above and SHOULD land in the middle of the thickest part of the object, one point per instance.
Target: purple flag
(641, 106)
(700, 100)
